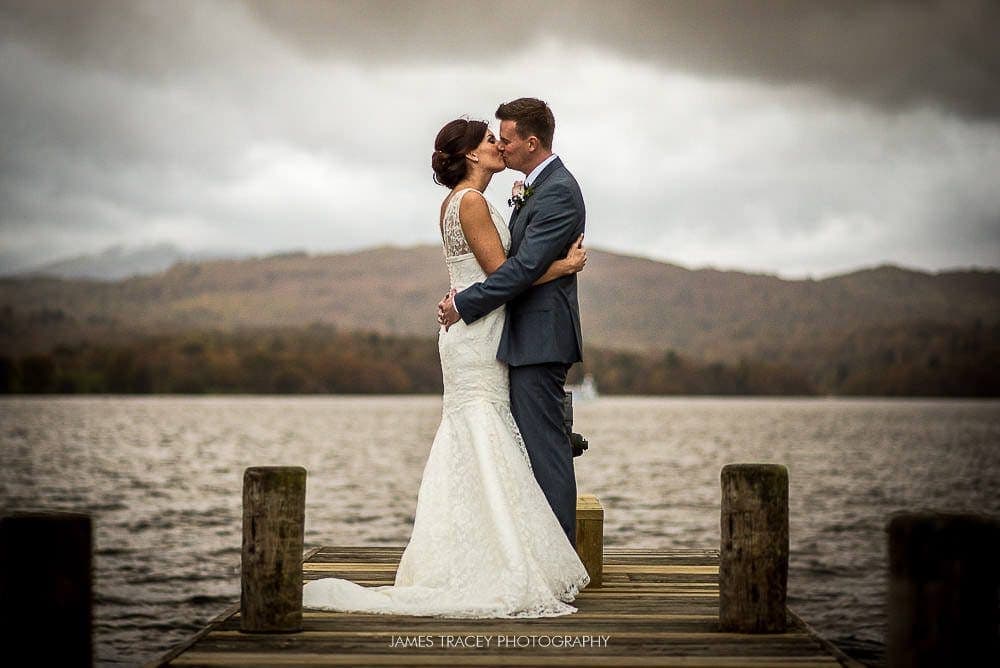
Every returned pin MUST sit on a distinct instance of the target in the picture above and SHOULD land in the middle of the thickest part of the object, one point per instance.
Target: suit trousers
(536, 400)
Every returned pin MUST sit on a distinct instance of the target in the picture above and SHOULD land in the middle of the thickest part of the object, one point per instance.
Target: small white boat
(585, 390)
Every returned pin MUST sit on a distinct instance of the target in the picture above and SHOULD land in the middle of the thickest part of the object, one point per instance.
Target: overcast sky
(791, 138)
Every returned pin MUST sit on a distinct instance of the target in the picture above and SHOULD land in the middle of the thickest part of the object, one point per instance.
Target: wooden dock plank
(264, 660)
(339, 621)
(656, 645)
(656, 608)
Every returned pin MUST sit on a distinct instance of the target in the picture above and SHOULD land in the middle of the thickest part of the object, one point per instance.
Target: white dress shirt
(530, 178)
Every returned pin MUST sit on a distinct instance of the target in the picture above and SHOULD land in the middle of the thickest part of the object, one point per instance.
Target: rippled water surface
(162, 477)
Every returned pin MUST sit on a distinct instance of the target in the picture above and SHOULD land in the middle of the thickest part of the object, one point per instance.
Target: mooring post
(753, 559)
(46, 587)
(590, 536)
(274, 508)
(944, 590)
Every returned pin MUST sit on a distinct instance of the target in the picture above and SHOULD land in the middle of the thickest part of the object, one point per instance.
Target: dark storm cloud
(892, 54)
(149, 40)
(888, 53)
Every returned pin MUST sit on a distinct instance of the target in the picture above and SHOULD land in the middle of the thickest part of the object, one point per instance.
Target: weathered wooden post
(944, 590)
(274, 508)
(753, 559)
(590, 536)
(45, 587)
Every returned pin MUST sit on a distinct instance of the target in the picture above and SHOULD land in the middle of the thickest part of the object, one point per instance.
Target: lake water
(162, 477)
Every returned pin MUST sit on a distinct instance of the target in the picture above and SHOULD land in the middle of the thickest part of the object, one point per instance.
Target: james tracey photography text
(496, 641)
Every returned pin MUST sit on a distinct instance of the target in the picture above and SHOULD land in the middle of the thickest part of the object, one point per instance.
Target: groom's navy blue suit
(541, 336)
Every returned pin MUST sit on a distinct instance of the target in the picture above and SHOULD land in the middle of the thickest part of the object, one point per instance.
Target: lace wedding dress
(485, 542)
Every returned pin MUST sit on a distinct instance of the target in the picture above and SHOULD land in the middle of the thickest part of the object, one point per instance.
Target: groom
(541, 336)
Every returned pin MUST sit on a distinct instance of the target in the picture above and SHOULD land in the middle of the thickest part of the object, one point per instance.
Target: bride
(485, 542)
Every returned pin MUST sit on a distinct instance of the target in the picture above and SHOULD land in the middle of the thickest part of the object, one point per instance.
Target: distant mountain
(627, 303)
(118, 262)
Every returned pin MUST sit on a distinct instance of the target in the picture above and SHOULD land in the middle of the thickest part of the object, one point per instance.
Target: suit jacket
(543, 322)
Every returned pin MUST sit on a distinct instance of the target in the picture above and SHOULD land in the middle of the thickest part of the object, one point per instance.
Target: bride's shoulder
(473, 204)
(457, 195)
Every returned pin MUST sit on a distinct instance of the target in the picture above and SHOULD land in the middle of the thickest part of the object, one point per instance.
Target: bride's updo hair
(450, 146)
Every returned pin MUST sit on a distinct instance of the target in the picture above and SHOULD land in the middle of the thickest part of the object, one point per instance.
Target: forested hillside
(878, 331)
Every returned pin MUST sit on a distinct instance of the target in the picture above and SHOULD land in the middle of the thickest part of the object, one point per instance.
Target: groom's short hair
(533, 117)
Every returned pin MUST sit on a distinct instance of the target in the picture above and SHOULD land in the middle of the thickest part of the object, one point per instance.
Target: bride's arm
(574, 262)
(484, 242)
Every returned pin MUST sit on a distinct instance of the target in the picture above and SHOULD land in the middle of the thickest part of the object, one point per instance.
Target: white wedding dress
(485, 542)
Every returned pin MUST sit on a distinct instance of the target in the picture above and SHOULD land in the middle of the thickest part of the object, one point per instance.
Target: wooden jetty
(655, 608)
(651, 608)
(643, 607)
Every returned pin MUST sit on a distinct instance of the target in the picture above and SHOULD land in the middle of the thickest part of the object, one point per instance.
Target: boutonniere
(519, 194)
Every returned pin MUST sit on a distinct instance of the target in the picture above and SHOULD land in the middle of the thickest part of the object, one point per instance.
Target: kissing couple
(494, 528)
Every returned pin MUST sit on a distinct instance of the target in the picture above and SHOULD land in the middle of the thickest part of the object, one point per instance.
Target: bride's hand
(576, 258)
